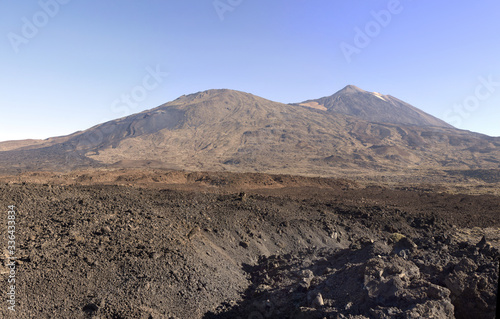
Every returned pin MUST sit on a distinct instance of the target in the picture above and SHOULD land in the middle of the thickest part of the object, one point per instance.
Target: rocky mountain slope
(225, 130)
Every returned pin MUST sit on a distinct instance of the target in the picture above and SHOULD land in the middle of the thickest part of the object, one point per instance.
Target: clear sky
(67, 65)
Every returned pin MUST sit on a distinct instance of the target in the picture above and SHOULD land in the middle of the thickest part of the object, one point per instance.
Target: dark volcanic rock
(107, 251)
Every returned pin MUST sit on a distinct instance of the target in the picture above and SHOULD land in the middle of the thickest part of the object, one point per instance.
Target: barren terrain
(158, 244)
(222, 204)
(226, 130)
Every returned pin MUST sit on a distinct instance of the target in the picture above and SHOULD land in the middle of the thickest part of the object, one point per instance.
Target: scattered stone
(243, 244)
(243, 196)
(3, 270)
(437, 292)
(90, 308)
(318, 301)
(482, 242)
(193, 232)
(404, 246)
(396, 237)
(466, 265)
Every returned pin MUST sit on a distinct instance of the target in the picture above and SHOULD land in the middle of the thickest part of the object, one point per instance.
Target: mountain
(374, 107)
(350, 132)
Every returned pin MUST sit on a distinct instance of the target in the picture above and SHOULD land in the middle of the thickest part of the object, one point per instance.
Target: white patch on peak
(380, 96)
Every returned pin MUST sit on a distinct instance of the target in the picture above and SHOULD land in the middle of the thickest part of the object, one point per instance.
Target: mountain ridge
(228, 130)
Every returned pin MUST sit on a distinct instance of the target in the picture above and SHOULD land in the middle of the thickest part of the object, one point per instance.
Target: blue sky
(67, 65)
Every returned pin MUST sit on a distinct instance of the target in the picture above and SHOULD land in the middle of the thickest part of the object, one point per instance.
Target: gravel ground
(108, 251)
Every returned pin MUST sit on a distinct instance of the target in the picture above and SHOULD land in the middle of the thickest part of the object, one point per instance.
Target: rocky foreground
(333, 250)
(375, 280)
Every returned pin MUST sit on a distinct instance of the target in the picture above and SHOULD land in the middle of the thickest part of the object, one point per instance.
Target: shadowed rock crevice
(380, 280)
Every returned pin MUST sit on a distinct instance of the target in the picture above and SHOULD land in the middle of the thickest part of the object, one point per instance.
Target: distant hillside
(225, 130)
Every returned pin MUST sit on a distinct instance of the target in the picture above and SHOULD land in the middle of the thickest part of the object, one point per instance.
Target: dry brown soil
(129, 244)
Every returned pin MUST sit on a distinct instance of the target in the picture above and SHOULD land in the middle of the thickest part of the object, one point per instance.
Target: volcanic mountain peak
(218, 104)
(374, 107)
(351, 89)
